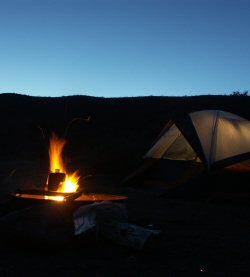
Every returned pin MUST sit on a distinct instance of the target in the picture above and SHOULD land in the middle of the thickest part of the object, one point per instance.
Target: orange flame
(55, 153)
(56, 164)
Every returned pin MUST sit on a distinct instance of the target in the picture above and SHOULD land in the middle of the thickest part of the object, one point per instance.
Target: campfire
(59, 180)
(62, 185)
(75, 209)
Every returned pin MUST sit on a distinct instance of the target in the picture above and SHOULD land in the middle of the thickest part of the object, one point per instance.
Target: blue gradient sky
(124, 47)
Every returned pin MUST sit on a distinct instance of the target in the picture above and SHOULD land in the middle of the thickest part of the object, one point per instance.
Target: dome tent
(209, 138)
(216, 138)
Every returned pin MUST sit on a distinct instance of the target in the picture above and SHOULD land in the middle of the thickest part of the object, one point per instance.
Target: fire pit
(62, 186)
(79, 197)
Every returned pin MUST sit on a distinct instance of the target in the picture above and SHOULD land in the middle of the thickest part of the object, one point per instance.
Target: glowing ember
(70, 184)
(56, 198)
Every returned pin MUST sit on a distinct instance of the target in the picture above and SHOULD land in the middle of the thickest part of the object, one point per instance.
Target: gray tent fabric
(212, 136)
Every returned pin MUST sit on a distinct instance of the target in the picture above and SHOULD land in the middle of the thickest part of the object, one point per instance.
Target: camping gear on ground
(110, 221)
(61, 222)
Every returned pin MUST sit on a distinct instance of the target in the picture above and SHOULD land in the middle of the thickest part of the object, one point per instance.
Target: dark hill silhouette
(118, 134)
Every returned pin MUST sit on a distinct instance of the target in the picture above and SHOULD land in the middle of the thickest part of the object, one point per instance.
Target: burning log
(73, 196)
(55, 180)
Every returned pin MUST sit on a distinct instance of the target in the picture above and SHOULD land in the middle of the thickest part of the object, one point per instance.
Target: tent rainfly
(215, 138)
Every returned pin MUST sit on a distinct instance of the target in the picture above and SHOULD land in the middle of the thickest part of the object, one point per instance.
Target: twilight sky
(117, 48)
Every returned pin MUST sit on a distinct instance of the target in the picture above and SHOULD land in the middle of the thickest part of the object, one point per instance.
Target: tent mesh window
(180, 150)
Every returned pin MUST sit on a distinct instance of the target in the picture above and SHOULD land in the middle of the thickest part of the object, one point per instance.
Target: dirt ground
(198, 238)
